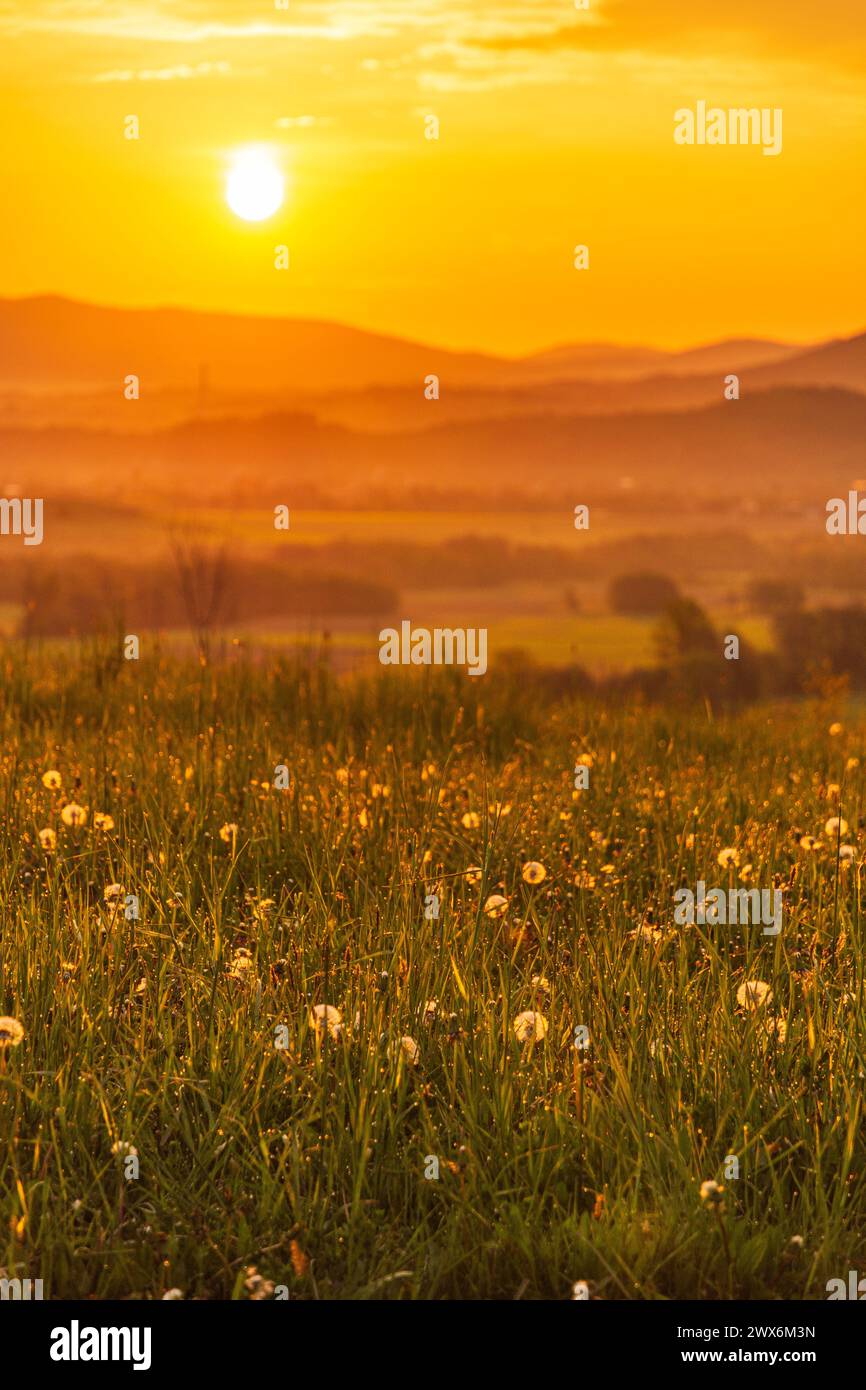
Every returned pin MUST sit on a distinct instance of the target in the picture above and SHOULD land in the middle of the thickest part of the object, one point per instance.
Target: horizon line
(622, 345)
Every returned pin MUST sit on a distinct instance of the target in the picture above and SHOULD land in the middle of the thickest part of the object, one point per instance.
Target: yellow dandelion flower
(113, 892)
(73, 814)
(711, 1194)
(752, 994)
(533, 872)
(834, 730)
(726, 858)
(11, 1032)
(473, 874)
(530, 1026)
(496, 905)
(470, 820)
(229, 832)
(52, 780)
(325, 1018)
(809, 842)
(48, 839)
(102, 821)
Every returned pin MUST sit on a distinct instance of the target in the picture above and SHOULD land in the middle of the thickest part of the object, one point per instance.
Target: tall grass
(308, 1160)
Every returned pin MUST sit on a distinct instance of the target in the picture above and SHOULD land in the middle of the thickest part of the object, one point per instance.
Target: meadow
(373, 915)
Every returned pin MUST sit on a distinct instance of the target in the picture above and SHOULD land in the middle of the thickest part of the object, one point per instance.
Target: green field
(438, 1143)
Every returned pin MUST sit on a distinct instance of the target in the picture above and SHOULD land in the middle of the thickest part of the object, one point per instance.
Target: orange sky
(556, 127)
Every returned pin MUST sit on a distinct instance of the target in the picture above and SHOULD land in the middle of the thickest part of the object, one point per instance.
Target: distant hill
(838, 363)
(55, 345)
(607, 362)
(790, 443)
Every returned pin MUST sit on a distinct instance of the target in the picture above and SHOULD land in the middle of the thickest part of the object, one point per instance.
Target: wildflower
(325, 1017)
(534, 872)
(229, 832)
(48, 839)
(530, 1027)
(11, 1032)
(431, 1010)
(835, 826)
(102, 821)
(52, 780)
(122, 1149)
(752, 994)
(849, 767)
(796, 1242)
(242, 963)
(728, 857)
(847, 853)
(473, 874)
(470, 820)
(258, 1287)
(647, 932)
(73, 814)
(776, 1028)
(541, 984)
(112, 893)
(496, 905)
(711, 1194)
(834, 730)
(410, 1050)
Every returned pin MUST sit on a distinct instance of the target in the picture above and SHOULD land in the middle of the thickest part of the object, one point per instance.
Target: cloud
(778, 28)
(301, 122)
(181, 71)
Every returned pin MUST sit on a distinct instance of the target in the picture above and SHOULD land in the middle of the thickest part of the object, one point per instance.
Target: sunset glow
(555, 128)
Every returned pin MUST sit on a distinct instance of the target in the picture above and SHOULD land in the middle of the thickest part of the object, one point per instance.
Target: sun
(255, 187)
